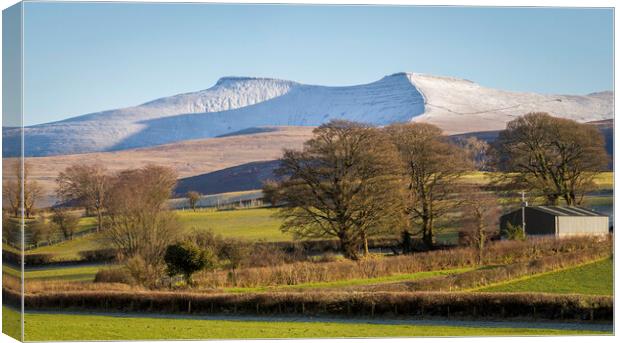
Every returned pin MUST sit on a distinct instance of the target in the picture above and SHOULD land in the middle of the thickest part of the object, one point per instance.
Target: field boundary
(414, 304)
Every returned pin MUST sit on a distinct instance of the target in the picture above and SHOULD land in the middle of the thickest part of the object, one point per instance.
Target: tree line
(353, 181)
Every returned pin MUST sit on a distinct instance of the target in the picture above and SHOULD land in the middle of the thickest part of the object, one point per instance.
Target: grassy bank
(66, 273)
(593, 278)
(40, 327)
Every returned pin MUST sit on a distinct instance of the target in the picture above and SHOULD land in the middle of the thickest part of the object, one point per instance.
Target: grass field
(58, 327)
(593, 278)
(603, 180)
(69, 250)
(251, 224)
(67, 273)
(11, 322)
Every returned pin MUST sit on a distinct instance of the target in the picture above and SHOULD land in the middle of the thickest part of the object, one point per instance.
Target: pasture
(249, 224)
(65, 273)
(595, 278)
(57, 326)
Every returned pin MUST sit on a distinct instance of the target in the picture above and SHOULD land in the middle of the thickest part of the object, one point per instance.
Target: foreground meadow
(50, 327)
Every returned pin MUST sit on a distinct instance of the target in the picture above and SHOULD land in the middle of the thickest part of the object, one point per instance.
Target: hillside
(188, 158)
(239, 103)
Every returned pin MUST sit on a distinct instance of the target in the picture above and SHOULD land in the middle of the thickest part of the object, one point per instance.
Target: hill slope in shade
(239, 103)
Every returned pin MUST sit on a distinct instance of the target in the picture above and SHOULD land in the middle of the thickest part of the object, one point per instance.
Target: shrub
(114, 275)
(148, 275)
(513, 232)
(100, 255)
(186, 258)
(36, 259)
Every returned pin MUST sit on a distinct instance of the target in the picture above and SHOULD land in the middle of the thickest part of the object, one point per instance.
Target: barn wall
(539, 223)
(570, 226)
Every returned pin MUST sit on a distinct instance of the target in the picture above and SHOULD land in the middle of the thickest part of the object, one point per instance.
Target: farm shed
(560, 221)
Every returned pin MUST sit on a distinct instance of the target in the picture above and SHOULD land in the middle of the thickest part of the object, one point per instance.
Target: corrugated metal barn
(560, 221)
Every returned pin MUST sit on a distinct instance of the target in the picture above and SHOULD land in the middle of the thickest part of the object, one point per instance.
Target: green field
(593, 278)
(69, 250)
(11, 322)
(604, 180)
(59, 327)
(79, 273)
(251, 224)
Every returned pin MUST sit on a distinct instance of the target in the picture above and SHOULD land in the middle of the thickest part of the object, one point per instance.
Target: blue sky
(82, 58)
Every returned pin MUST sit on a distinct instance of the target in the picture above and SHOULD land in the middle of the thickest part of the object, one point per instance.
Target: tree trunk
(348, 246)
(99, 219)
(427, 233)
(365, 239)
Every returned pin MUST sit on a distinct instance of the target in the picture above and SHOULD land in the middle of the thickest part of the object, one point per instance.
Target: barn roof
(567, 211)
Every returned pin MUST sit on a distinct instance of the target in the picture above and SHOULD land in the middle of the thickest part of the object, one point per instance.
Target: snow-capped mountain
(238, 103)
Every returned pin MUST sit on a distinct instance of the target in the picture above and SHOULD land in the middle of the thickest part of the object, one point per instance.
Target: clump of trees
(552, 157)
(64, 221)
(87, 186)
(131, 206)
(353, 181)
(18, 191)
(344, 184)
(431, 168)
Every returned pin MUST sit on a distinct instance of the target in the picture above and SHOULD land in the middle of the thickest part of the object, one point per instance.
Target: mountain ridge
(236, 103)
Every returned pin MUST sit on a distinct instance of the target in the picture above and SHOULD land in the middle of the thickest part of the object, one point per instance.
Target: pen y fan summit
(241, 103)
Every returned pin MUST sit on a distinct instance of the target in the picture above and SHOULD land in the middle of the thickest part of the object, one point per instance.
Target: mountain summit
(239, 103)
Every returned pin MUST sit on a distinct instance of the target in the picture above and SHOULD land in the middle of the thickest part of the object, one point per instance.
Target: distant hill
(239, 103)
(239, 178)
(188, 158)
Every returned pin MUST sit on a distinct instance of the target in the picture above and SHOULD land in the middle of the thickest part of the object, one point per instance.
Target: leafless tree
(140, 226)
(345, 184)
(553, 157)
(88, 185)
(432, 166)
(479, 219)
(193, 198)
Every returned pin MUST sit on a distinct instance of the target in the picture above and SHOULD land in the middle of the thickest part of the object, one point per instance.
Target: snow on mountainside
(238, 103)
(460, 106)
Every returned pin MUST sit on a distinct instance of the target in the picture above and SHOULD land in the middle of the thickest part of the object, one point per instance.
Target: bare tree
(88, 185)
(553, 157)
(193, 198)
(432, 167)
(345, 184)
(479, 220)
(64, 221)
(19, 192)
(140, 226)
